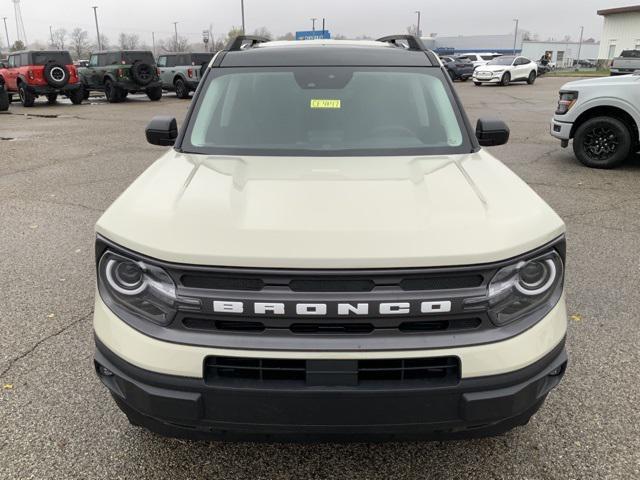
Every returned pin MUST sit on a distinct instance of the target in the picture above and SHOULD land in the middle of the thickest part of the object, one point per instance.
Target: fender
(617, 102)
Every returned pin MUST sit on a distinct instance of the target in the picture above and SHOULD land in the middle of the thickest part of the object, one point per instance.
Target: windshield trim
(469, 142)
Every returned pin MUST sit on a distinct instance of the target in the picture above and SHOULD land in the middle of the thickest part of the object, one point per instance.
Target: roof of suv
(326, 53)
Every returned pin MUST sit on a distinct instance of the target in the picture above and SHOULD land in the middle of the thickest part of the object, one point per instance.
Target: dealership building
(450, 45)
(563, 54)
(621, 31)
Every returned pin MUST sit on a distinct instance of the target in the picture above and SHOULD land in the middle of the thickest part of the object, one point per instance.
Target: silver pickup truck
(628, 62)
(181, 72)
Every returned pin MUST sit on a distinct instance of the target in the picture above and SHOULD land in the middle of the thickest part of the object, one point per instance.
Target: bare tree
(128, 41)
(59, 38)
(287, 36)
(262, 32)
(170, 44)
(233, 33)
(79, 42)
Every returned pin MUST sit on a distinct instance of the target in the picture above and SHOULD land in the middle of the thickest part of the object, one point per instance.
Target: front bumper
(561, 130)
(192, 408)
(164, 386)
(495, 78)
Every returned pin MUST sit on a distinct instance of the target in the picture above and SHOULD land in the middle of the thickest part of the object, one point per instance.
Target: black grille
(324, 281)
(439, 371)
(330, 326)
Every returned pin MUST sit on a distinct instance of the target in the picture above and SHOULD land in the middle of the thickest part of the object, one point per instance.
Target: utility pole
(313, 24)
(418, 33)
(6, 30)
(323, 26)
(175, 27)
(95, 15)
(153, 42)
(51, 35)
(515, 36)
(580, 46)
(242, 8)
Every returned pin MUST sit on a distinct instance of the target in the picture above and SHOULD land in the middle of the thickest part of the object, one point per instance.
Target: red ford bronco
(34, 73)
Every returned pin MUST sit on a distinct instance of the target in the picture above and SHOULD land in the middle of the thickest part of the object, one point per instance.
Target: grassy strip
(578, 73)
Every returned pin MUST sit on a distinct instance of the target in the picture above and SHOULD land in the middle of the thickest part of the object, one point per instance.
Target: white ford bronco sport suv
(602, 116)
(328, 251)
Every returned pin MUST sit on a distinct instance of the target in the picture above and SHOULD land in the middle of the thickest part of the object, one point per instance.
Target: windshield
(325, 111)
(42, 58)
(502, 61)
(129, 58)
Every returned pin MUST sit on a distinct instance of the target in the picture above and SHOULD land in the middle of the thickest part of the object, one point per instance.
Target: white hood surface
(328, 212)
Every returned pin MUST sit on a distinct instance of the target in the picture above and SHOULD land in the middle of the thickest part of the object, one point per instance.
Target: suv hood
(602, 82)
(493, 68)
(327, 212)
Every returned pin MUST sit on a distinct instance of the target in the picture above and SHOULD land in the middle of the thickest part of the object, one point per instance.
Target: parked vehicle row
(31, 74)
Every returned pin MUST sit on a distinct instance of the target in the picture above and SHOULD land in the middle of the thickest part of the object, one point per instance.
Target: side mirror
(492, 132)
(162, 131)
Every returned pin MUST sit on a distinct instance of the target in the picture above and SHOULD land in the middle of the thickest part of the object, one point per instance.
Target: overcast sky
(548, 18)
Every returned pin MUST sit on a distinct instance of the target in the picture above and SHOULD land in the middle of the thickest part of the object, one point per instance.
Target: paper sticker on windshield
(326, 103)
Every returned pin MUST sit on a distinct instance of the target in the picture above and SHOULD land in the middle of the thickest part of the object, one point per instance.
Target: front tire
(76, 96)
(532, 77)
(4, 100)
(26, 97)
(181, 89)
(113, 93)
(602, 142)
(154, 93)
(506, 79)
(477, 84)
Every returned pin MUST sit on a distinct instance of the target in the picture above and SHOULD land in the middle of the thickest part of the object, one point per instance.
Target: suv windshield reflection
(325, 110)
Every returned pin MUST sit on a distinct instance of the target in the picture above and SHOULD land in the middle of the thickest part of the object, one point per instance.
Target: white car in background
(507, 69)
(479, 59)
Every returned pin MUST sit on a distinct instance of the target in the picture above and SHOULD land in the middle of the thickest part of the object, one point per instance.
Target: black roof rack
(244, 41)
(413, 42)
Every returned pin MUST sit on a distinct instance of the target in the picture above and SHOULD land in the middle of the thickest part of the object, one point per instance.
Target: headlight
(499, 71)
(520, 289)
(139, 288)
(567, 100)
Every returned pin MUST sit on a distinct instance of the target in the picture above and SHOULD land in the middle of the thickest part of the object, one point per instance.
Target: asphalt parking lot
(61, 166)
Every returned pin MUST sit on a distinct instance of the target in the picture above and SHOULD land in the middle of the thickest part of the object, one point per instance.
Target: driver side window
(93, 61)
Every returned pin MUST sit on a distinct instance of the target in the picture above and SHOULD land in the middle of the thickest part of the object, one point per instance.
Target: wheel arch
(608, 111)
(108, 76)
(179, 76)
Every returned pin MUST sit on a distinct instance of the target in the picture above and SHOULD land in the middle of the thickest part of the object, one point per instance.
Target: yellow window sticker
(326, 103)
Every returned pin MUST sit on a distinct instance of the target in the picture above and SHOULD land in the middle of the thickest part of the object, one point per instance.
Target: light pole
(580, 46)
(418, 27)
(313, 24)
(515, 36)
(95, 15)
(51, 35)
(242, 8)
(175, 27)
(6, 30)
(153, 42)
